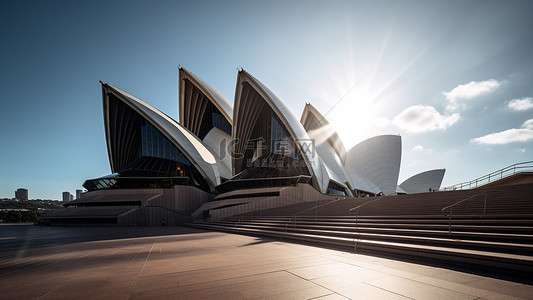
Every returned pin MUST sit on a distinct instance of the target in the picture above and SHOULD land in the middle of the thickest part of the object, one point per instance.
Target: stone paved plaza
(184, 263)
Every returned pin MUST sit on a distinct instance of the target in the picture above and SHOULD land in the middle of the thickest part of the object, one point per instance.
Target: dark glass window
(220, 122)
(335, 189)
(155, 144)
(200, 114)
(282, 143)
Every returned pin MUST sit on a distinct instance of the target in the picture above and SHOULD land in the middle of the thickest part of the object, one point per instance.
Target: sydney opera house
(223, 159)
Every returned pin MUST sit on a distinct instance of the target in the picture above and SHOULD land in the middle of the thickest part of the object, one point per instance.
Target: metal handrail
(364, 204)
(169, 209)
(317, 206)
(356, 209)
(308, 209)
(496, 175)
(450, 207)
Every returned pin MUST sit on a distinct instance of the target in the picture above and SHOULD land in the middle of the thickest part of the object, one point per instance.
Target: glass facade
(155, 144)
(139, 149)
(201, 115)
(282, 143)
(335, 189)
(268, 149)
(220, 122)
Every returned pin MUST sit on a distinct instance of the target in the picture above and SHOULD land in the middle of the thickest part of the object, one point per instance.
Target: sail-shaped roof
(423, 182)
(250, 97)
(327, 144)
(376, 161)
(189, 145)
(197, 101)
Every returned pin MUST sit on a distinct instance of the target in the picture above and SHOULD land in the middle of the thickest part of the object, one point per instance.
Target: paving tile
(455, 276)
(415, 289)
(333, 296)
(503, 287)
(249, 287)
(462, 288)
(206, 294)
(309, 293)
(284, 283)
(322, 270)
(346, 279)
(364, 291)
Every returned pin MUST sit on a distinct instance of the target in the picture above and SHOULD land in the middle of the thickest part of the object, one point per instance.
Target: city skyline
(453, 79)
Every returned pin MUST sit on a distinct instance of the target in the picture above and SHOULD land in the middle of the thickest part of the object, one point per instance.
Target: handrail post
(356, 219)
(485, 205)
(356, 229)
(450, 221)
(316, 211)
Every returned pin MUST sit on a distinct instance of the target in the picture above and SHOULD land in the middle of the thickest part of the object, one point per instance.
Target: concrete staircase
(498, 241)
(501, 244)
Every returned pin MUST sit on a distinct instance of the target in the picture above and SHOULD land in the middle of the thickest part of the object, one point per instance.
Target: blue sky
(453, 78)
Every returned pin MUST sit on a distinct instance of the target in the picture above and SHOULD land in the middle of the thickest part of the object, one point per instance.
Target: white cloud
(521, 104)
(505, 137)
(418, 148)
(528, 124)
(512, 135)
(468, 91)
(420, 118)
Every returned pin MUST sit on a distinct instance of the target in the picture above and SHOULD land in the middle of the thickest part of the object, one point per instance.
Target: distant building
(67, 197)
(21, 194)
(78, 194)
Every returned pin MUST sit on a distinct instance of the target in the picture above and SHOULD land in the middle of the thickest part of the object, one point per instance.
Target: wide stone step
(323, 220)
(441, 227)
(487, 236)
(506, 262)
(428, 239)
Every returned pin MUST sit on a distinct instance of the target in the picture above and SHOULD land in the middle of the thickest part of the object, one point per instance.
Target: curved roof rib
(251, 97)
(197, 100)
(422, 182)
(313, 120)
(376, 161)
(327, 144)
(191, 147)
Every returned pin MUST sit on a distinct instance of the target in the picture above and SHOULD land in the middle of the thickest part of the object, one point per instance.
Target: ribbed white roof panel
(323, 127)
(377, 160)
(187, 142)
(332, 162)
(212, 142)
(422, 182)
(223, 104)
(298, 133)
(326, 142)
(358, 182)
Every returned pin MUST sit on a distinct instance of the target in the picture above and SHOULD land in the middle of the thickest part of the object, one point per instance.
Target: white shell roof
(298, 133)
(376, 160)
(422, 182)
(225, 107)
(332, 162)
(358, 182)
(187, 142)
(338, 146)
(212, 142)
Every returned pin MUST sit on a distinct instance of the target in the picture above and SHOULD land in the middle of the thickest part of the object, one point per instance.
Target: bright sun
(355, 117)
